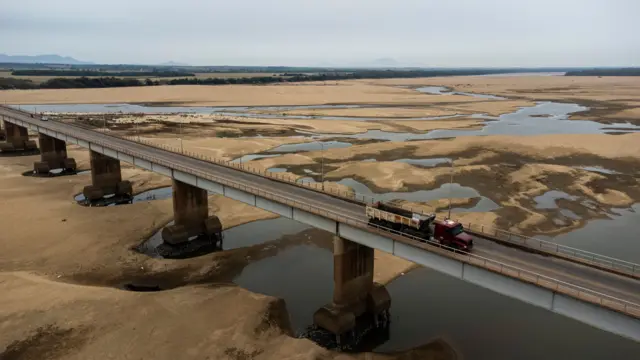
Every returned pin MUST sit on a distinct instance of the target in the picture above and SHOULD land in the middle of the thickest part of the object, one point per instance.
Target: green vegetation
(101, 73)
(85, 82)
(113, 81)
(13, 83)
(606, 72)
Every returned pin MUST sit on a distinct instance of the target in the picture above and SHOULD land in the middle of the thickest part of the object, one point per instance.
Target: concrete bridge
(594, 289)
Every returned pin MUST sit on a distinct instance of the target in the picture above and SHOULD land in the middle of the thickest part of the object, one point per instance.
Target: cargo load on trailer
(448, 232)
(400, 219)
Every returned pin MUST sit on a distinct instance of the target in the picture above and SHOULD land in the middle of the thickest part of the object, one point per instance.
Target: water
(431, 162)
(250, 157)
(136, 108)
(375, 135)
(443, 192)
(481, 324)
(310, 146)
(435, 90)
(277, 169)
(253, 233)
(301, 275)
(440, 90)
(548, 199)
(238, 111)
(542, 119)
(598, 169)
(616, 236)
(154, 194)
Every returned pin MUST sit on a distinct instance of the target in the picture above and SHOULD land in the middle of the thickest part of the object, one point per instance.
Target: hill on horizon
(41, 59)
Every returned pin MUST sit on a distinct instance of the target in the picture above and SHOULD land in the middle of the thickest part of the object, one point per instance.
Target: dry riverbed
(63, 266)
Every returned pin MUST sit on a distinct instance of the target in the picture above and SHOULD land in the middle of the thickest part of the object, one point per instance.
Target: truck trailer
(449, 233)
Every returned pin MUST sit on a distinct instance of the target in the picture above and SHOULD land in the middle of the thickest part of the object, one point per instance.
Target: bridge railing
(547, 247)
(534, 244)
(550, 283)
(555, 285)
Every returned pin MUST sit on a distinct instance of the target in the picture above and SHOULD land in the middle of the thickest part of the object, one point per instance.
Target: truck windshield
(456, 230)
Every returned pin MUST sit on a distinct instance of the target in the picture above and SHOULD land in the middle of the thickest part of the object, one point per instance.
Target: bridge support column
(354, 293)
(3, 133)
(191, 215)
(17, 138)
(106, 179)
(53, 155)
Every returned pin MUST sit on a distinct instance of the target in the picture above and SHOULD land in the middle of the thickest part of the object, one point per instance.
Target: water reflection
(616, 236)
(153, 194)
(445, 191)
(310, 146)
(301, 275)
(549, 198)
(253, 233)
(440, 90)
(430, 162)
(598, 169)
(541, 119)
(484, 325)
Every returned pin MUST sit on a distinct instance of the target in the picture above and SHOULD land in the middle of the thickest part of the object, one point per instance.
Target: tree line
(605, 72)
(102, 82)
(101, 73)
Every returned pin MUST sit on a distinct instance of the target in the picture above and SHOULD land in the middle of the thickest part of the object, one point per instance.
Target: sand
(446, 105)
(62, 264)
(612, 98)
(211, 126)
(70, 265)
(227, 95)
(521, 167)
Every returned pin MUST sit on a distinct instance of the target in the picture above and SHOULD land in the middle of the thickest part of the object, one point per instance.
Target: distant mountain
(41, 59)
(173, 63)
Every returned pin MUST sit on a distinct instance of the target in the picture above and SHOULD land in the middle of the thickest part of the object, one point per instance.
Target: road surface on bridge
(604, 282)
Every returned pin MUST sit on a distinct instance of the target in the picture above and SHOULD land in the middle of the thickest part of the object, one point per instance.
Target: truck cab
(451, 233)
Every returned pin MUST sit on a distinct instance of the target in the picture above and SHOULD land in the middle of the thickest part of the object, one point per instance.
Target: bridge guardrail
(550, 283)
(602, 261)
(538, 245)
(555, 285)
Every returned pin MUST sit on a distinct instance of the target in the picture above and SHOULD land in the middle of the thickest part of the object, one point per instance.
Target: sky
(430, 33)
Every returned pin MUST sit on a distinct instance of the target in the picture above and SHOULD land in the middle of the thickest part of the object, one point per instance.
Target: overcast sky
(445, 33)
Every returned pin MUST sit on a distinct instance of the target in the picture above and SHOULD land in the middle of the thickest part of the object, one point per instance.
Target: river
(479, 323)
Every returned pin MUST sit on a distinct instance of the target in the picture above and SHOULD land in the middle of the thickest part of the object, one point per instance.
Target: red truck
(449, 233)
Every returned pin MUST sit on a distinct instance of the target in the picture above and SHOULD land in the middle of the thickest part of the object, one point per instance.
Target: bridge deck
(604, 282)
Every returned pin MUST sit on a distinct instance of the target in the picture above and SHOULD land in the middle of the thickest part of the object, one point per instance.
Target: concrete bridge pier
(191, 216)
(17, 138)
(355, 294)
(3, 133)
(106, 179)
(53, 155)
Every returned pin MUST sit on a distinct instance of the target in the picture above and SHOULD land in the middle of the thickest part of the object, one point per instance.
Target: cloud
(431, 33)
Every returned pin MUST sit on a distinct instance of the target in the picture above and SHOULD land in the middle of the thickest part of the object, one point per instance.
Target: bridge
(597, 290)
